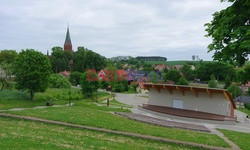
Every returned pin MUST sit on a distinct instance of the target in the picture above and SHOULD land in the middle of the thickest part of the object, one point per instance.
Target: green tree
(230, 32)
(234, 90)
(59, 81)
(6, 71)
(247, 72)
(87, 59)
(75, 78)
(88, 87)
(212, 83)
(8, 56)
(187, 72)
(219, 69)
(32, 70)
(241, 76)
(182, 81)
(59, 59)
(173, 75)
(228, 82)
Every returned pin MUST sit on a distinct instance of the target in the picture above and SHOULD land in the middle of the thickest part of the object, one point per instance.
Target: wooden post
(108, 102)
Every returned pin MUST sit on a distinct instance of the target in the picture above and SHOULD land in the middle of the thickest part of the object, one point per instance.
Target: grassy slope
(92, 115)
(20, 134)
(16, 99)
(239, 138)
(244, 110)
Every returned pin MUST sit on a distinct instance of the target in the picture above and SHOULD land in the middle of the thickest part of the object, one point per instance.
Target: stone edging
(148, 137)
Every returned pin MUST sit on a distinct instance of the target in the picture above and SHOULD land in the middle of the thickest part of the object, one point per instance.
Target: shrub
(88, 87)
(133, 87)
(212, 83)
(75, 78)
(103, 84)
(173, 75)
(183, 81)
(59, 81)
(234, 90)
(247, 106)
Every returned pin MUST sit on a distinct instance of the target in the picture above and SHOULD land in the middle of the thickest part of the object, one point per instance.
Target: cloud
(174, 29)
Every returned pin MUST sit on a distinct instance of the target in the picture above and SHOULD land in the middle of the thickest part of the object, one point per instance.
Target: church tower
(67, 43)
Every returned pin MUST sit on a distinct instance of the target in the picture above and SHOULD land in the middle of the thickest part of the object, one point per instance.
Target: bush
(120, 86)
(88, 87)
(234, 90)
(212, 83)
(103, 84)
(59, 81)
(75, 78)
(183, 81)
(247, 106)
(133, 87)
(173, 75)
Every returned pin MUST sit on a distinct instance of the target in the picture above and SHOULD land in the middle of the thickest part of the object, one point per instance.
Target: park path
(36, 107)
(148, 137)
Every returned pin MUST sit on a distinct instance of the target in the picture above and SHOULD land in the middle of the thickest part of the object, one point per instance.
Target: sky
(169, 28)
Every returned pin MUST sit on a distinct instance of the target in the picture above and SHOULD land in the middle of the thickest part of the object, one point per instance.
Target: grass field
(17, 99)
(239, 138)
(20, 134)
(86, 113)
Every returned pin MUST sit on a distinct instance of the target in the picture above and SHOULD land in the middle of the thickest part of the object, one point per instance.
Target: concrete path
(202, 146)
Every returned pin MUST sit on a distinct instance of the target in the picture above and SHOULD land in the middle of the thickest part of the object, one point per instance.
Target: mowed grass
(18, 99)
(244, 110)
(239, 138)
(20, 134)
(85, 113)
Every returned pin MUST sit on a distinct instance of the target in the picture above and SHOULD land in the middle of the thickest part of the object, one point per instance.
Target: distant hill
(171, 63)
(179, 62)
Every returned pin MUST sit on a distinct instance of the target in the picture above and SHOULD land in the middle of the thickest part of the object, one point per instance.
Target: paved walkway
(202, 146)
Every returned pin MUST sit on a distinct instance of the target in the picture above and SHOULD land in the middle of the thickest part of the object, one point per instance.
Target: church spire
(67, 43)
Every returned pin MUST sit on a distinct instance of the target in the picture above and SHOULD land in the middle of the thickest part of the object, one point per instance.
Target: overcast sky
(170, 28)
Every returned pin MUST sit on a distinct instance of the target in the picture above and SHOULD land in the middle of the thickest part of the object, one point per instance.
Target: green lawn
(86, 113)
(239, 138)
(20, 134)
(115, 103)
(244, 110)
(17, 99)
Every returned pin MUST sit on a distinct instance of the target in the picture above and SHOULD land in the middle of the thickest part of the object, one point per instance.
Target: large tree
(60, 59)
(87, 59)
(32, 70)
(88, 87)
(7, 58)
(230, 32)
